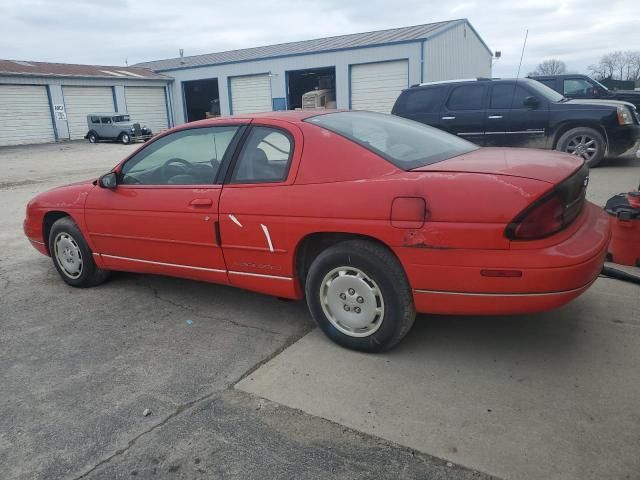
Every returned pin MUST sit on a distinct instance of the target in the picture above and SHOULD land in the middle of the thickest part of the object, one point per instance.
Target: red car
(369, 217)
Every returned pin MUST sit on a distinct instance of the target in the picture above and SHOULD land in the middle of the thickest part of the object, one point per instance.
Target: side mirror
(531, 102)
(108, 180)
(595, 92)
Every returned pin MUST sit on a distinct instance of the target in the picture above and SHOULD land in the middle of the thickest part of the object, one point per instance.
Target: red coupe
(369, 217)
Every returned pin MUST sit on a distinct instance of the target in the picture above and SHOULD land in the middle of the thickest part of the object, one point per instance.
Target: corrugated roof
(44, 69)
(354, 40)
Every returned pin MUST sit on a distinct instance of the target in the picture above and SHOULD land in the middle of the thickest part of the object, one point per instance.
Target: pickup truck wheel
(71, 255)
(93, 138)
(125, 138)
(358, 294)
(583, 142)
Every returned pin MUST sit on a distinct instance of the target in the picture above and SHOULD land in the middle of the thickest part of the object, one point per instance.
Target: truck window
(508, 95)
(549, 82)
(577, 87)
(467, 97)
(95, 120)
(421, 100)
(106, 120)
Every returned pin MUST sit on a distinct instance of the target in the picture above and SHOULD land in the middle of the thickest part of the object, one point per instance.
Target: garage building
(359, 71)
(45, 102)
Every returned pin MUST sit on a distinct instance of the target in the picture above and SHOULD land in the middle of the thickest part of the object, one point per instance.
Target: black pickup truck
(523, 113)
(582, 86)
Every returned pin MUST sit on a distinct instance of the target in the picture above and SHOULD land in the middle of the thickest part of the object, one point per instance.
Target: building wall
(278, 67)
(456, 53)
(55, 84)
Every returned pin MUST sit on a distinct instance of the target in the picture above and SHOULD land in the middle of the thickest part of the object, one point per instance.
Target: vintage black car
(115, 127)
(582, 86)
(523, 113)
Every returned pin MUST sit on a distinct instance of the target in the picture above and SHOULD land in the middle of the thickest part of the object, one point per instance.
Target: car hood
(544, 165)
(599, 102)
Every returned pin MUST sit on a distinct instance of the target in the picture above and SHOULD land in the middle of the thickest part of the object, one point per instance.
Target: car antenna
(524, 45)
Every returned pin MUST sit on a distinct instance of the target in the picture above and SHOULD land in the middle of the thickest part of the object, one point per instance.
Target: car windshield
(121, 118)
(599, 84)
(405, 143)
(540, 88)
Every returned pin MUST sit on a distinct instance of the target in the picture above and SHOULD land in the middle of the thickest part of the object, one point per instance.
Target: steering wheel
(179, 167)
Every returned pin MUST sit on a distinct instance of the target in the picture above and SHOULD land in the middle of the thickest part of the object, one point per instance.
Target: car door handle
(493, 117)
(201, 202)
(448, 118)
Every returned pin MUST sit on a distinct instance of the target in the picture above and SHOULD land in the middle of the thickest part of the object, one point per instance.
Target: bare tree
(618, 66)
(550, 67)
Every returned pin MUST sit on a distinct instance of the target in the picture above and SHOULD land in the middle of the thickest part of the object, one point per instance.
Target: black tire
(93, 137)
(382, 269)
(73, 259)
(579, 138)
(125, 138)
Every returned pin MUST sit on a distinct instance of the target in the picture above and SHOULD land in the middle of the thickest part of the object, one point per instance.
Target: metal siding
(278, 67)
(148, 106)
(82, 101)
(25, 116)
(376, 86)
(452, 55)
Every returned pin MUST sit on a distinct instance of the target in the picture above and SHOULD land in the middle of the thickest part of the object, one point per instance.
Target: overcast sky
(108, 32)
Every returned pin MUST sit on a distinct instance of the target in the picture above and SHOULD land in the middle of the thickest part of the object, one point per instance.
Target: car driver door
(257, 235)
(162, 215)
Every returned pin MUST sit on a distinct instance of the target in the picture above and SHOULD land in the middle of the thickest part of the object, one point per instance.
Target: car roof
(561, 75)
(292, 116)
(465, 80)
(106, 114)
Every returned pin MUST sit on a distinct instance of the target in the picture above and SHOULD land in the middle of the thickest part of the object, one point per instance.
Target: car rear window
(420, 100)
(405, 143)
(467, 97)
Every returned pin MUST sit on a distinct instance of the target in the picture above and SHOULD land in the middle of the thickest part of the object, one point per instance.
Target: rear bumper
(450, 282)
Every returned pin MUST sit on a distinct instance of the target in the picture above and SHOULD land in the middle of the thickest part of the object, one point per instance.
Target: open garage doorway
(300, 82)
(201, 99)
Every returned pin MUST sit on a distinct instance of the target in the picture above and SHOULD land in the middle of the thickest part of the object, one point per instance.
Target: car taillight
(554, 211)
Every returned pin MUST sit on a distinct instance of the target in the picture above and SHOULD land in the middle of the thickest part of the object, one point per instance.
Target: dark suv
(582, 86)
(523, 113)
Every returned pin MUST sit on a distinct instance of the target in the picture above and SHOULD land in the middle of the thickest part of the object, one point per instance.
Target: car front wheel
(125, 138)
(358, 294)
(584, 142)
(71, 255)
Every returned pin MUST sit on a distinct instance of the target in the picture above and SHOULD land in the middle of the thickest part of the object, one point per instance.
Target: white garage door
(148, 106)
(25, 116)
(376, 86)
(251, 94)
(80, 102)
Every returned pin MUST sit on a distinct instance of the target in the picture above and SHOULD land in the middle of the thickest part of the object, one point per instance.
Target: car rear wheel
(358, 294)
(584, 142)
(71, 255)
(93, 138)
(125, 138)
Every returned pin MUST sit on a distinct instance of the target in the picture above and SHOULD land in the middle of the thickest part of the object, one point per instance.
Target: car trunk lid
(543, 165)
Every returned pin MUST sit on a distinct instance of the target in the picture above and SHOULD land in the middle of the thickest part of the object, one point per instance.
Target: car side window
(105, 120)
(467, 97)
(421, 100)
(265, 157)
(186, 157)
(95, 120)
(576, 87)
(508, 95)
